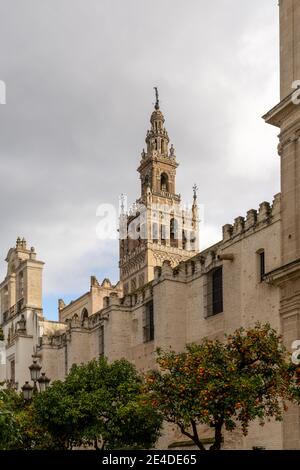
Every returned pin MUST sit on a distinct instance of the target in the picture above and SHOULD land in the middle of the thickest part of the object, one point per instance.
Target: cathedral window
(262, 264)
(149, 322)
(84, 315)
(164, 182)
(215, 292)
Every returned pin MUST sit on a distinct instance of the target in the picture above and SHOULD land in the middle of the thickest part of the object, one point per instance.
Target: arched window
(261, 263)
(174, 232)
(84, 315)
(164, 182)
(75, 317)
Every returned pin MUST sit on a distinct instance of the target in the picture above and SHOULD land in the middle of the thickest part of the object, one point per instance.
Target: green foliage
(223, 384)
(18, 427)
(9, 431)
(99, 404)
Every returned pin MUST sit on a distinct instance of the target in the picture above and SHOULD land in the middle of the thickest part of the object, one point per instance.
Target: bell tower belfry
(158, 164)
(157, 228)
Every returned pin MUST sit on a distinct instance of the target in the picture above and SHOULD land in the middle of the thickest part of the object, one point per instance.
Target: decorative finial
(156, 98)
(195, 189)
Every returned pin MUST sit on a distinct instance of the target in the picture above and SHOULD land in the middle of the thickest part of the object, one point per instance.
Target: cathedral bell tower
(157, 228)
(158, 165)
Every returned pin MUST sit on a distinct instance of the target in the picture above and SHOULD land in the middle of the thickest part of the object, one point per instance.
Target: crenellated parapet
(255, 220)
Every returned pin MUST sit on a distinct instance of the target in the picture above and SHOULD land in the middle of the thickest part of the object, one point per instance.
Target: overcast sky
(80, 77)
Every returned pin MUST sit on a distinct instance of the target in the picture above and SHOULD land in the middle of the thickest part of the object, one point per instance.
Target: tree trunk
(218, 436)
(194, 437)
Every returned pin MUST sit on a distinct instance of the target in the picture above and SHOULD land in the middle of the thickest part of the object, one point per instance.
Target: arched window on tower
(174, 232)
(164, 182)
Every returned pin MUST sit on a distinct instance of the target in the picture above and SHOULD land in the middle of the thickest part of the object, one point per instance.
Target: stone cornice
(157, 159)
(283, 273)
(276, 115)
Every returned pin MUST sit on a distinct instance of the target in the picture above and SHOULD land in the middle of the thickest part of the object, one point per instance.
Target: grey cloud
(80, 77)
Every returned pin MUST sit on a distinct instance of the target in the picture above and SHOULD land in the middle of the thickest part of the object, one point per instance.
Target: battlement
(254, 220)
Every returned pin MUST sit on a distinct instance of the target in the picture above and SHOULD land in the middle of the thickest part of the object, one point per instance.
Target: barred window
(215, 292)
(149, 322)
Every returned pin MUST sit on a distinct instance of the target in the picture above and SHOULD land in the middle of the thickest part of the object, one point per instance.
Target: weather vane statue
(195, 189)
(156, 98)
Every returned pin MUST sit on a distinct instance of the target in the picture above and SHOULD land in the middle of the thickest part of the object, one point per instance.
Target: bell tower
(157, 228)
(158, 164)
(286, 116)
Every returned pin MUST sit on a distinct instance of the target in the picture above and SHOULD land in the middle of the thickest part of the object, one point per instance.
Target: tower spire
(156, 98)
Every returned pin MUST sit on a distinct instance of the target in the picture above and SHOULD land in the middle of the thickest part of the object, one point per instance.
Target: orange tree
(223, 384)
